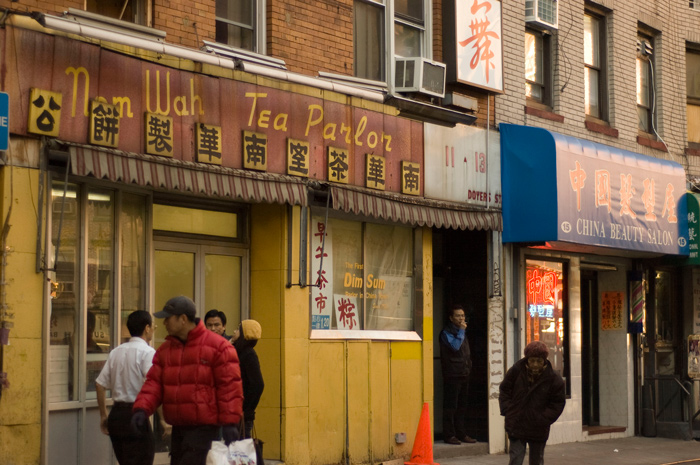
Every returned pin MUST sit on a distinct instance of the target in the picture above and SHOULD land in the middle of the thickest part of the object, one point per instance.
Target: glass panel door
(174, 275)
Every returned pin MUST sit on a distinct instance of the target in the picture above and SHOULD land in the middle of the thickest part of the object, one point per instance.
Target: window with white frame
(692, 70)
(594, 57)
(538, 66)
(366, 278)
(133, 11)
(240, 24)
(399, 26)
(645, 83)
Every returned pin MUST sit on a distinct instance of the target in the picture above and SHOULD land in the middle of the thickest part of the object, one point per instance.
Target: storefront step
(448, 451)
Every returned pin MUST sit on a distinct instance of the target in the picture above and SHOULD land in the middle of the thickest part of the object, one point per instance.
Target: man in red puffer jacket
(197, 378)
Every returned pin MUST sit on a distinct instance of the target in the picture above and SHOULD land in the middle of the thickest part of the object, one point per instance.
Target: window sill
(336, 334)
(692, 151)
(647, 141)
(602, 128)
(542, 113)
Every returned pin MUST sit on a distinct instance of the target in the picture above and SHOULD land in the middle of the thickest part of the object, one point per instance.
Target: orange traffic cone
(423, 446)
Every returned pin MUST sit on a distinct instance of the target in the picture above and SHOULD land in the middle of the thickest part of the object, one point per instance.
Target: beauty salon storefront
(587, 228)
(135, 177)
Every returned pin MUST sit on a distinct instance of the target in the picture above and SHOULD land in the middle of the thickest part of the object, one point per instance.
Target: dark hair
(537, 349)
(214, 313)
(137, 322)
(451, 311)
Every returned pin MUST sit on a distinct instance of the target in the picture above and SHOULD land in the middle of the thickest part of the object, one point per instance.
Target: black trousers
(190, 444)
(517, 451)
(129, 448)
(454, 408)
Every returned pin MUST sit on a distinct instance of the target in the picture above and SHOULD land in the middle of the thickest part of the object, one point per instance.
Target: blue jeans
(517, 451)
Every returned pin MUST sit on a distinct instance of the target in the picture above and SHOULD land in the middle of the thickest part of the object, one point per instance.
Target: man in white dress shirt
(124, 374)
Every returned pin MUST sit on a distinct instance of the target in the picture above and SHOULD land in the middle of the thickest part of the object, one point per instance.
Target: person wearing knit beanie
(532, 396)
(244, 340)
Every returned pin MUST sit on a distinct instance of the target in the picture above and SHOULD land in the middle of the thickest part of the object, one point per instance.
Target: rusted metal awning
(414, 210)
(186, 177)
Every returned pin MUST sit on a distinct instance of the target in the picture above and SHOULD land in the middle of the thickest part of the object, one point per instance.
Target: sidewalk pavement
(625, 451)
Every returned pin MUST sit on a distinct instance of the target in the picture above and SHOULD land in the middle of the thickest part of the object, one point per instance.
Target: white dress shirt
(126, 369)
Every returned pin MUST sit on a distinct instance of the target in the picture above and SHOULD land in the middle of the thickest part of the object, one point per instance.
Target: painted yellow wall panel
(268, 351)
(296, 313)
(268, 428)
(326, 402)
(22, 236)
(406, 351)
(21, 404)
(24, 297)
(407, 400)
(358, 401)
(381, 438)
(295, 391)
(299, 446)
(266, 301)
(268, 250)
(20, 444)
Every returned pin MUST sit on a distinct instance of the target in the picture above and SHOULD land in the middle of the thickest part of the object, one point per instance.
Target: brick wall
(674, 24)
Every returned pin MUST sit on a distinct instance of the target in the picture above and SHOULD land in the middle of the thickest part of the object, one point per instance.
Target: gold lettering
(311, 121)
(264, 120)
(370, 142)
(347, 131)
(360, 129)
(158, 110)
(255, 96)
(120, 101)
(387, 138)
(76, 73)
(180, 106)
(195, 98)
(281, 122)
(329, 131)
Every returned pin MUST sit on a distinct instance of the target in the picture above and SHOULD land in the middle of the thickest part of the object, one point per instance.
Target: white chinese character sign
(322, 275)
(479, 45)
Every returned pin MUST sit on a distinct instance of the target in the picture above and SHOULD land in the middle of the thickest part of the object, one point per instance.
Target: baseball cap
(180, 305)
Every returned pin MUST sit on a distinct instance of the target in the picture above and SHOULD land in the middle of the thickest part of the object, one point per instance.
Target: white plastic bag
(237, 453)
(218, 454)
(242, 452)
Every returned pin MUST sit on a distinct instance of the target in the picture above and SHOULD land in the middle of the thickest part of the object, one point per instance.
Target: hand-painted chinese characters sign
(612, 311)
(479, 43)
(346, 311)
(321, 275)
(461, 165)
(693, 229)
(560, 188)
(150, 108)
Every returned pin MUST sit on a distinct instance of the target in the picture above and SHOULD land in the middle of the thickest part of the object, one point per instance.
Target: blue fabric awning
(561, 188)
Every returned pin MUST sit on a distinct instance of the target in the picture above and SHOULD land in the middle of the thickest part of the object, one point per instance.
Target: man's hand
(229, 433)
(138, 422)
(103, 426)
(463, 325)
(167, 430)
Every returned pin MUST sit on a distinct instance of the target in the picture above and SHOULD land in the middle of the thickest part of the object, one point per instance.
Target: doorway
(589, 351)
(460, 275)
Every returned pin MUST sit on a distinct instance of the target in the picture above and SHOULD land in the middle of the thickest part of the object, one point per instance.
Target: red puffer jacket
(198, 383)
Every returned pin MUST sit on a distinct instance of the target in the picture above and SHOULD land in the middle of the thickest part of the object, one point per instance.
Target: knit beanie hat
(251, 330)
(537, 349)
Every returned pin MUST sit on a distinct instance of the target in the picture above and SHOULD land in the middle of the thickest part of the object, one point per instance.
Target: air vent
(418, 74)
(543, 13)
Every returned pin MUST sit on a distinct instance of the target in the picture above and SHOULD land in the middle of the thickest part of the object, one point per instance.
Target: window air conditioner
(417, 74)
(544, 13)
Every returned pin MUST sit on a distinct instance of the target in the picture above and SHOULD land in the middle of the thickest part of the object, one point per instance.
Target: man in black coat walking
(532, 396)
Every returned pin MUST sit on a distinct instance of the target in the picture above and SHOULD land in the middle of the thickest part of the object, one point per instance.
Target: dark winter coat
(198, 382)
(253, 383)
(530, 410)
(456, 365)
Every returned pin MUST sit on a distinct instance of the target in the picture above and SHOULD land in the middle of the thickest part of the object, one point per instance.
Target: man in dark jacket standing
(196, 376)
(532, 396)
(244, 340)
(456, 364)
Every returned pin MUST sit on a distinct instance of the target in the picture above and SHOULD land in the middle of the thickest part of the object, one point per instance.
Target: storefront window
(83, 316)
(366, 278)
(546, 313)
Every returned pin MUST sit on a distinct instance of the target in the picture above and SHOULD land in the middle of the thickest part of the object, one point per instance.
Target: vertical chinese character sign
(321, 278)
(612, 311)
(479, 43)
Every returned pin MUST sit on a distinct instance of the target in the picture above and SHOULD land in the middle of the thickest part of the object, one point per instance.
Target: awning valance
(413, 210)
(558, 188)
(186, 177)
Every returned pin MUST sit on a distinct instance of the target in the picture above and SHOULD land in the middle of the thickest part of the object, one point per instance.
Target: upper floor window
(695, 4)
(594, 58)
(239, 23)
(645, 83)
(398, 26)
(134, 11)
(538, 66)
(692, 69)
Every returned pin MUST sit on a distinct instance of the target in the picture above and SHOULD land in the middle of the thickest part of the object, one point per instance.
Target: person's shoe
(453, 440)
(469, 440)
